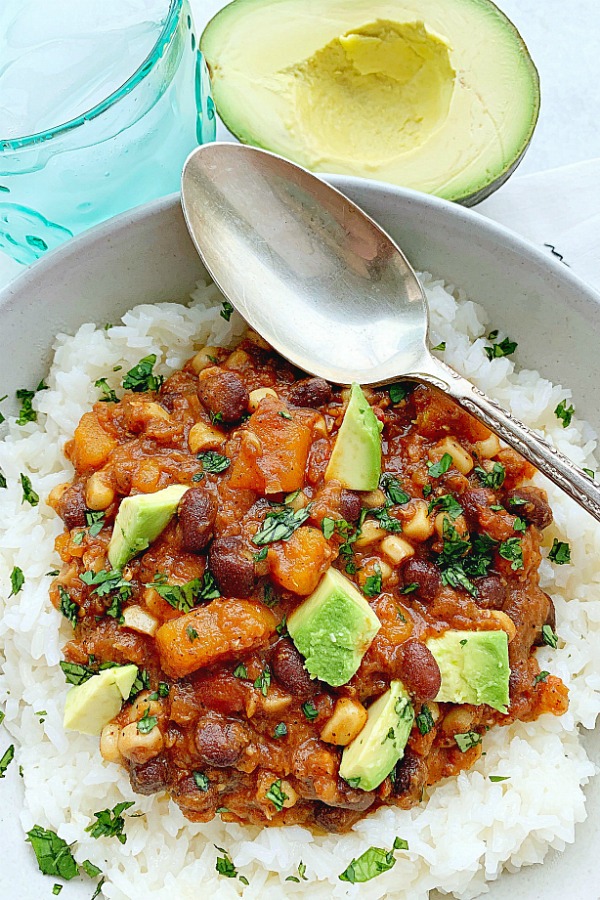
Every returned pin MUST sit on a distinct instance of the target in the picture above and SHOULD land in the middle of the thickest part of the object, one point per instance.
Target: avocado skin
(371, 756)
(140, 520)
(356, 458)
(333, 629)
(474, 667)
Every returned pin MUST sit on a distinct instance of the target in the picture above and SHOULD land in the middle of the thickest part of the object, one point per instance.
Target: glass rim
(137, 76)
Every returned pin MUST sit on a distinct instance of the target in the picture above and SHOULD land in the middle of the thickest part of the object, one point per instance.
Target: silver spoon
(329, 289)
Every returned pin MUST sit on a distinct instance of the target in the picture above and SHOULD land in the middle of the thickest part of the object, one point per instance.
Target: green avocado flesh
(474, 667)
(140, 520)
(333, 628)
(371, 756)
(356, 458)
(91, 705)
(440, 96)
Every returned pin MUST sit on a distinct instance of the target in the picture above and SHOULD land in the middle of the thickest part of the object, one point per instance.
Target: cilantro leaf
(108, 395)
(213, 462)
(549, 636)
(310, 710)
(392, 489)
(385, 520)
(441, 346)
(226, 310)
(68, 607)
(373, 584)
(147, 723)
(398, 392)
(424, 720)
(495, 778)
(560, 553)
(90, 869)
(140, 377)
(276, 795)
(493, 479)
(564, 413)
(512, 550)
(446, 503)
(94, 521)
(185, 596)
(202, 781)
(6, 759)
(17, 580)
(541, 676)
(240, 671)
(110, 823)
(53, 855)
(29, 495)
(27, 412)
(368, 865)
(505, 348)
(280, 524)
(440, 468)
(263, 682)
(455, 576)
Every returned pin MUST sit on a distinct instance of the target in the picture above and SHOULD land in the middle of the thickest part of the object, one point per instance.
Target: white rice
(492, 825)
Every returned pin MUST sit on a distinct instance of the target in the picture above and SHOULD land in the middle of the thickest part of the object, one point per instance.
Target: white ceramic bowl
(146, 256)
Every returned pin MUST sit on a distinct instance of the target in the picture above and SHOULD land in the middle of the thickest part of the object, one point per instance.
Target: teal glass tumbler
(127, 149)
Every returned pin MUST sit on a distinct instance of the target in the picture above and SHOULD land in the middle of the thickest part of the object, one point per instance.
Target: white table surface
(563, 38)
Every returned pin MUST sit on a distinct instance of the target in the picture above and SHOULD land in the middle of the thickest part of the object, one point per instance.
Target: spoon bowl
(329, 289)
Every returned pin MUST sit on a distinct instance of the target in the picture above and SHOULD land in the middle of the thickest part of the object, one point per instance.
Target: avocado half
(436, 95)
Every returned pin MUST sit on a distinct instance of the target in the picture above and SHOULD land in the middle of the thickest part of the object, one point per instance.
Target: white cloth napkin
(558, 209)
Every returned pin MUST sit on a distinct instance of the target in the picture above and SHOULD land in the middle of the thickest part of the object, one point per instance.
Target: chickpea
(420, 527)
(370, 533)
(462, 460)
(138, 747)
(488, 448)
(98, 494)
(348, 720)
(259, 394)
(505, 622)
(204, 437)
(205, 358)
(459, 720)
(396, 549)
(109, 738)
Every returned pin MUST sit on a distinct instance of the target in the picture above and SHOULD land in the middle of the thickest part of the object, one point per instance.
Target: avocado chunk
(356, 457)
(372, 755)
(140, 520)
(91, 705)
(474, 667)
(333, 628)
(441, 96)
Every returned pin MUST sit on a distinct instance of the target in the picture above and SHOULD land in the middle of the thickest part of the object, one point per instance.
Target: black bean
(150, 777)
(420, 672)
(491, 592)
(473, 502)
(197, 514)
(335, 820)
(535, 509)
(425, 574)
(72, 508)
(232, 569)
(288, 668)
(220, 743)
(409, 776)
(224, 394)
(310, 392)
(549, 620)
(349, 505)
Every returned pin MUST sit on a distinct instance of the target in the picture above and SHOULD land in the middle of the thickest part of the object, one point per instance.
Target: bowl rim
(458, 215)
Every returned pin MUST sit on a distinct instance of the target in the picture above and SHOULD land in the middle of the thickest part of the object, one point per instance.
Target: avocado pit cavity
(393, 81)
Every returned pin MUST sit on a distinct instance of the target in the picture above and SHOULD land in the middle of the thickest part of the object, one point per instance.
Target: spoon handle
(535, 449)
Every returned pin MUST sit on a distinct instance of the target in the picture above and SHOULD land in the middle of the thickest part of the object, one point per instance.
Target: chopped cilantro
(541, 676)
(263, 682)
(90, 869)
(78, 538)
(240, 671)
(392, 489)
(94, 521)
(262, 554)
(327, 527)
(202, 781)
(185, 596)
(301, 873)
(424, 720)
(6, 759)
(564, 413)
(29, 495)
(455, 546)
(427, 488)
(440, 468)
(141, 683)
(213, 462)
(226, 310)
(467, 740)
(506, 347)
(106, 581)
(368, 865)
(147, 723)
(373, 584)
(560, 553)
(3, 481)
(191, 633)
(224, 864)
(140, 377)
(280, 524)
(409, 588)
(27, 412)
(493, 479)
(280, 730)
(455, 576)
(398, 392)
(285, 414)
(441, 346)
(310, 710)
(512, 550)
(276, 795)
(110, 823)
(56, 889)
(163, 689)
(549, 636)
(17, 580)
(446, 503)
(68, 607)
(496, 778)
(589, 472)
(520, 525)
(385, 520)
(108, 395)
(53, 855)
